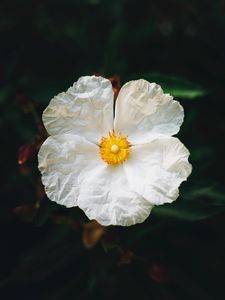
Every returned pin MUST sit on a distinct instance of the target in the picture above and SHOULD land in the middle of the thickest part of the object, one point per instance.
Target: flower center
(114, 149)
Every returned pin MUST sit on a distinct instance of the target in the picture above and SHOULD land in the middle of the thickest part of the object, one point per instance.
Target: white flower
(114, 169)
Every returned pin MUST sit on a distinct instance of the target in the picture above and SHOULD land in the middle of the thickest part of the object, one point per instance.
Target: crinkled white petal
(64, 160)
(86, 109)
(107, 198)
(74, 174)
(156, 169)
(143, 110)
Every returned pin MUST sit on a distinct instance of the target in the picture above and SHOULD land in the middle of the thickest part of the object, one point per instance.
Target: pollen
(114, 149)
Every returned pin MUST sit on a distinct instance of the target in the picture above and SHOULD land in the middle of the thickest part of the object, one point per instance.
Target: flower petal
(155, 170)
(142, 110)
(86, 109)
(63, 161)
(107, 198)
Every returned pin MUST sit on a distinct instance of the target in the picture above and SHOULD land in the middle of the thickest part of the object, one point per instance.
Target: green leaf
(42, 91)
(177, 87)
(197, 204)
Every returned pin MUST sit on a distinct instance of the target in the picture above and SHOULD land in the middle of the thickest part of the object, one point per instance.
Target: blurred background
(50, 252)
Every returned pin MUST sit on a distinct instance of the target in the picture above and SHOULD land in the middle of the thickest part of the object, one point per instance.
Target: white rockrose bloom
(114, 165)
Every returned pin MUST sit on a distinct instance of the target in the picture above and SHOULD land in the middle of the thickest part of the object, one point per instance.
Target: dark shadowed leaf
(197, 204)
(178, 87)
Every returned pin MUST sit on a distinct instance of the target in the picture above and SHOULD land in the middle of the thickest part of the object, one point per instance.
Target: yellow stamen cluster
(114, 149)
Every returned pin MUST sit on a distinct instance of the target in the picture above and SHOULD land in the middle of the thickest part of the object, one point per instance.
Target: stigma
(114, 149)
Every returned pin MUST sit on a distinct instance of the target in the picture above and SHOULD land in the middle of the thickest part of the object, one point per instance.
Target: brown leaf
(26, 211)
(116, 84)
(26, 153)
(159, 273)
(92, 233)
